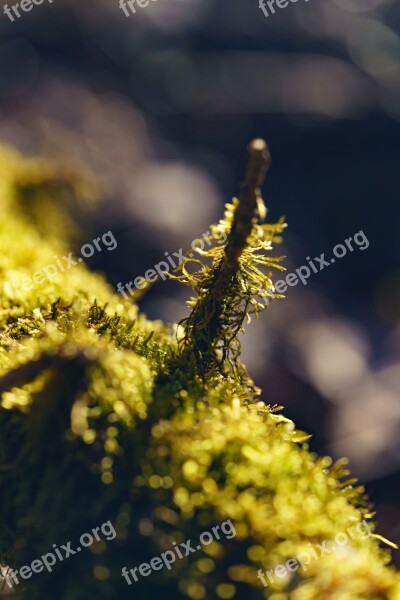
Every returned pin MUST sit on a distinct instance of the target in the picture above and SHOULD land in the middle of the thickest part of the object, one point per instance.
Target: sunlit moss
(101, 419)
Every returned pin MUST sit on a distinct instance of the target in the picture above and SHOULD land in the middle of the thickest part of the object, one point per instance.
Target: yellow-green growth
(233, 287)
(101, 419)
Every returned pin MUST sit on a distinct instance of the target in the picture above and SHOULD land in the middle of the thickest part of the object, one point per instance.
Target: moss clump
(105, 416)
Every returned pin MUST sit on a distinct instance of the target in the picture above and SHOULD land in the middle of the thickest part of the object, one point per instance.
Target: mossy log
(107, 416)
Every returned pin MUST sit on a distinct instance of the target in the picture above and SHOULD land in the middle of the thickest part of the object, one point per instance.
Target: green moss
(104, 415)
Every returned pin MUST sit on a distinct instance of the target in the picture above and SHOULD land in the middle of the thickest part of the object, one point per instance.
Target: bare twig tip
(258, 145)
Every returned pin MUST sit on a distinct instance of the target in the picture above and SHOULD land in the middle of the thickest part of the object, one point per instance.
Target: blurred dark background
(161, 106)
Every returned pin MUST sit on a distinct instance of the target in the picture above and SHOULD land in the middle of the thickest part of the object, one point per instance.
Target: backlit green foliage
(102, 419)
(248, 293)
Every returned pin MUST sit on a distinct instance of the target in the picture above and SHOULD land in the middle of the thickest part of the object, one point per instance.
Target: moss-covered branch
(87, 435)
(227, 291)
